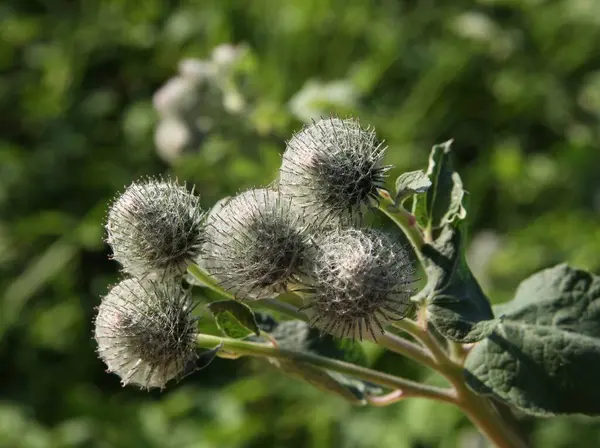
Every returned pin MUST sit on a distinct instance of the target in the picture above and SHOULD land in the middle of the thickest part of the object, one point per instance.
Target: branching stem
(383, 379)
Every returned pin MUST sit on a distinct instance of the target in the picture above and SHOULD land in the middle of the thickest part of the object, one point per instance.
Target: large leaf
(544, 356)
(456, 305)
(442, 204)
(299, 336)
(234, 319)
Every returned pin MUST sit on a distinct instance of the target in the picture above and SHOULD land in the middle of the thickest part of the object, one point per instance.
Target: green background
(515, 83)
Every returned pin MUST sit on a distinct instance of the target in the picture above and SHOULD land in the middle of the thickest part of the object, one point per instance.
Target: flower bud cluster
(303, 233)
(144, 328)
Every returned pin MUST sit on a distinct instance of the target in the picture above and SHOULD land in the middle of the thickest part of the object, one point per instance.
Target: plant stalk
(383, 379)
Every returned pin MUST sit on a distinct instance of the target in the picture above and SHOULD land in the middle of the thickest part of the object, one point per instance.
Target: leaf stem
(424, 337)
(406, 221)
(272, 304)
(406, 348)
(383, 379)
(388, 399)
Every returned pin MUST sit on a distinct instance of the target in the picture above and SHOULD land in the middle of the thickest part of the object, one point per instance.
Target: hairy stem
(383, 379)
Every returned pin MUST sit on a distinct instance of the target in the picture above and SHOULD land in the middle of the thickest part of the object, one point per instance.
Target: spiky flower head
(360, 280)
(334, 166)
(155, 227)
(145, 332)
(256, 244)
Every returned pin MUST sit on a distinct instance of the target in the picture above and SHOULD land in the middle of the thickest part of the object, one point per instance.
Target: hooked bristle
(334, 167)
(256, 244)
(360, 280)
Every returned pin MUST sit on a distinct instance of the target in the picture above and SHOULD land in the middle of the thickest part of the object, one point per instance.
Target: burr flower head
(155, 227)
(360, 279)
(256, 244)
(145, 332)
(333, 167)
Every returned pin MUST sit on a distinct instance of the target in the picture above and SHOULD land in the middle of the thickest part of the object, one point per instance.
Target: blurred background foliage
(516, 83)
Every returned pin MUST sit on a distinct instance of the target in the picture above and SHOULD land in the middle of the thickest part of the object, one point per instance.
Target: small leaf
(413, 182)
(234, 319)
(299, 336)
(456, 305)
(443, 202)
(544, 355)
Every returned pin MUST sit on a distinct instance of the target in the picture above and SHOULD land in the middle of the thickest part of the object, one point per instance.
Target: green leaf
(299, 336)
(456, 305)
(413, 182)
(442, 204)
(544, 355)
(234, 319)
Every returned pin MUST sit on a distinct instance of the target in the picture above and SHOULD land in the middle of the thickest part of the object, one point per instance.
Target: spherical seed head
(256, 244)
(145, 332)
(155, 227)
(333, 166)
(360, 280)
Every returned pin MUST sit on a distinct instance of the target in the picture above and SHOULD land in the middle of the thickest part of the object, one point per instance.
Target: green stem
(406, 348)
(419, 333)
(272, 304)
(208, 281)
(406, 222)
(383, 379)
(388, 399)
(479, 409)
(400, 346)
(483, 415)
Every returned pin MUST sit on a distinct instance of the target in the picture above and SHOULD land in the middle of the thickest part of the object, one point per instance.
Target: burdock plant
(301, 250)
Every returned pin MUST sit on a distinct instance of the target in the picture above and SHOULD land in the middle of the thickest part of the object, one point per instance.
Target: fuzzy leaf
(298, 336)
(544, 355)
(413, 182)
(442, 204)
(456, 305)
(234, 319)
